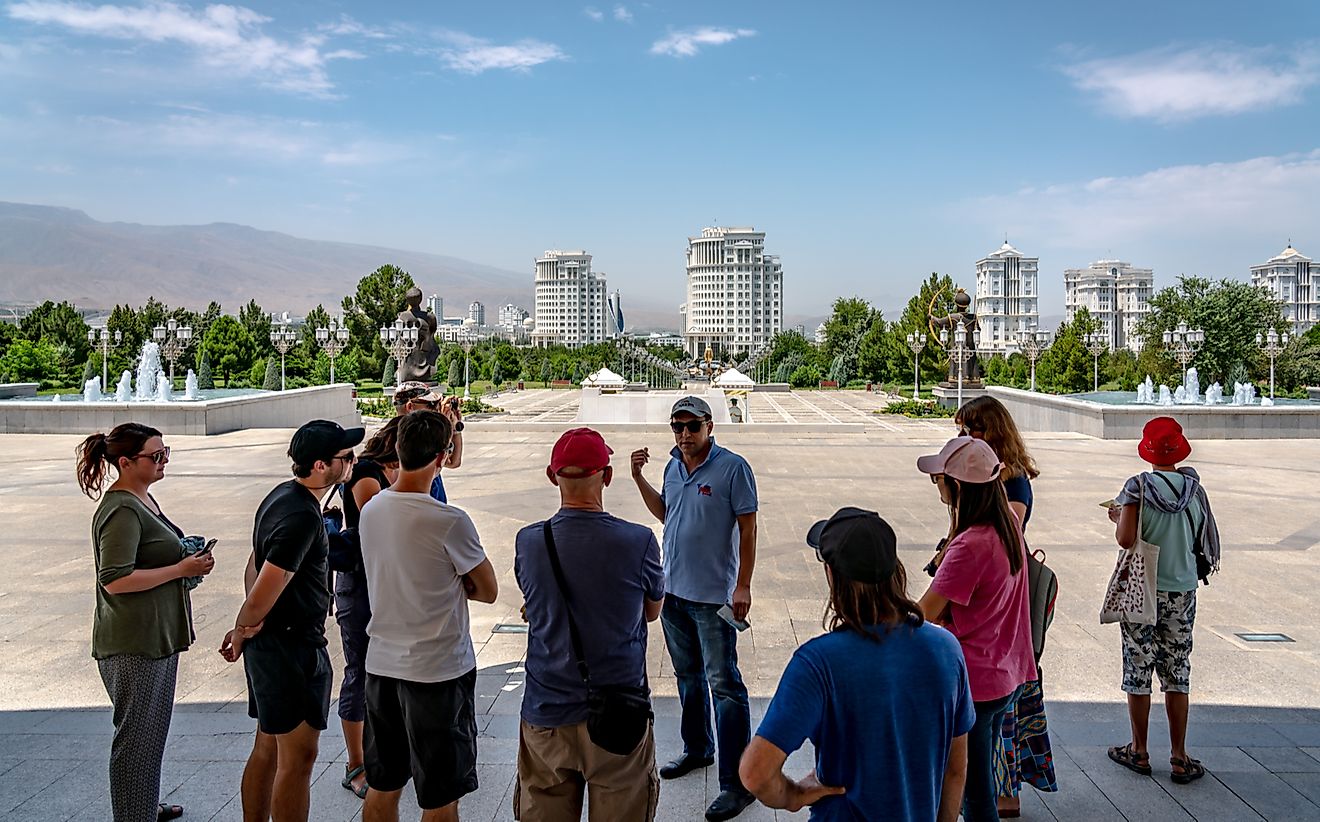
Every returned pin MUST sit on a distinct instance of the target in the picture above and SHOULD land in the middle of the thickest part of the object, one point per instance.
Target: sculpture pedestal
(947, 393)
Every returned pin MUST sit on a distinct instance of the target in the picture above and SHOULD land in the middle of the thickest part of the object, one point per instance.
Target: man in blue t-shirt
(417, 396)
(616, 585)
(708, 505)
(886, 704)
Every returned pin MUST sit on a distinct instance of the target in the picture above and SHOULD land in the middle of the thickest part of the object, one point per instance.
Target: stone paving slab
(1256, 708)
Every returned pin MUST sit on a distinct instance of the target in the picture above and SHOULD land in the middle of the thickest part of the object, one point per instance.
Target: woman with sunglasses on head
(375, 470)
(980, 593)
(1024, 741)
(143, 616)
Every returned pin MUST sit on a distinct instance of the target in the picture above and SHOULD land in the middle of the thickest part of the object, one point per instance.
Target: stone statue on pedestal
(962, 321)
(419, 365)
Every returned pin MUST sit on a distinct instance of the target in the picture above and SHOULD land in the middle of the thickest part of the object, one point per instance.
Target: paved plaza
(1256, 707)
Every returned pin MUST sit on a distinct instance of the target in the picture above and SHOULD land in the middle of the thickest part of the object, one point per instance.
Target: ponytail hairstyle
(100, 451)
(382, 447)
(985, 503)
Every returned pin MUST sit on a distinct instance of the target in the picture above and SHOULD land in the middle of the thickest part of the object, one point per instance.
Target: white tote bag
(1130, 596)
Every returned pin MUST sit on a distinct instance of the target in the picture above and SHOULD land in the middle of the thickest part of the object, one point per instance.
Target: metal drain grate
(521, 628)
(1264, 637)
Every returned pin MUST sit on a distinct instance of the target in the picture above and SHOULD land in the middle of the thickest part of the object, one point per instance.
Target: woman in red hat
(1174, 513)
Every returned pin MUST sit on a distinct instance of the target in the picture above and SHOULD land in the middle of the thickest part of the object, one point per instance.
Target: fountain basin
(1296, 419)
(213, 394)
(1125, 398)
(263, 409)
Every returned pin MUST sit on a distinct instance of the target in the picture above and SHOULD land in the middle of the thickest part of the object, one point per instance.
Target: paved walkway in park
(1256, 708)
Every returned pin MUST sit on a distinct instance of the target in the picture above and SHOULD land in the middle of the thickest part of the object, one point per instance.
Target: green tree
(545, 372)
(61, 324)
(850, 321)
(8, 333)
(205, 380)
(390, 375)
(1066, 365)
(29, 361)
(272, 380)
(228, 344)
(455, 375)
(92, 369)
(377, 302)
(348, 367)
(804, 376)
(935, 296)
(257, 322)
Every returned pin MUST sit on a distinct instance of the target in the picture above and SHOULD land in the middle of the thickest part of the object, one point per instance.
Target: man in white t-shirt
(423, 562)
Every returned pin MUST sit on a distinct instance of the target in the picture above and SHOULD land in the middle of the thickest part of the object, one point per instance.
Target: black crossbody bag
(618, 716)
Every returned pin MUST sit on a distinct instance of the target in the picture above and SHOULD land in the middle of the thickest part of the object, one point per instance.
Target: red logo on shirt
(704, 490)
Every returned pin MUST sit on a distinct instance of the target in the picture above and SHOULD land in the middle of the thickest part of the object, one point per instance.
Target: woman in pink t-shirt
(980, 593)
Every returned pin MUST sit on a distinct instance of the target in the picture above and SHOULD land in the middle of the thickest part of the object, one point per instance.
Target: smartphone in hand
(726, 613)
(206, 549)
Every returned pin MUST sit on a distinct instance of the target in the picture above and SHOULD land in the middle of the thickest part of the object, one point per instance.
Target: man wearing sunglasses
(708, 505)
(418, 396)
(280, 628)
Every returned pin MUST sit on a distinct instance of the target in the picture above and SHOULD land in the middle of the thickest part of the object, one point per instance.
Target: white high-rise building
(436, 305)
(477, 313)
(512, 315)
(1291, 278)
(614, 314)
(734, 291)
(570, 300)
(1115, 293)
(1006, 298)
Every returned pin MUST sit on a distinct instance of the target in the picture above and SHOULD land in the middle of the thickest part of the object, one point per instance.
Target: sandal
(168, 811)
(1190, 770)
(349, 776)
(1130, 759)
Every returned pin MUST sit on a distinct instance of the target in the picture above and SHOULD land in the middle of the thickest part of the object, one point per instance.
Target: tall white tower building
(570, 300)
(734, 291)
(1006, 298)
(1115, 293)
(1292, 279)
(614, 314)
(477, 313)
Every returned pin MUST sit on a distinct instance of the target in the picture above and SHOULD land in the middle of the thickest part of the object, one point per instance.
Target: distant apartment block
(734, 291)
(1115, 293)
(570, 300)
(477, 313)
(1006, 298)
(1291, 278)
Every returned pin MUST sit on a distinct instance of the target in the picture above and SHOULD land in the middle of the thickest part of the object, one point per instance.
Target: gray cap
(695, 406)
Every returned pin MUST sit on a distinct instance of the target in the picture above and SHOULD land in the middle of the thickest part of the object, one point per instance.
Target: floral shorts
(1165, 647)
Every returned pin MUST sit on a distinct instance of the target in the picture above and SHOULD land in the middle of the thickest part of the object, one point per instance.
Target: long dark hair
(857, 606)
(985, 503)
(988, 417)
(382, 447)
(99, 451)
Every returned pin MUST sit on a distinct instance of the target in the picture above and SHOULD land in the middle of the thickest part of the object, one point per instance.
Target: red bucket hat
(1163, 443)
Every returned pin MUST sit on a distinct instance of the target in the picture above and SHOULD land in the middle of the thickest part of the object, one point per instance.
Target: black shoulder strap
(568, 605)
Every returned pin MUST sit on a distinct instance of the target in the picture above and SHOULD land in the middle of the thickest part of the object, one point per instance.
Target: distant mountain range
(63, 254)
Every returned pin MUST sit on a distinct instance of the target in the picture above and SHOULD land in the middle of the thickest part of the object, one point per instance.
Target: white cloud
(1187, 207)
(687, 42)
(622, 15)
(346, 26)
(473, 55)
(1170, 85)
(594, 13)
(63, 169)
(228, 37)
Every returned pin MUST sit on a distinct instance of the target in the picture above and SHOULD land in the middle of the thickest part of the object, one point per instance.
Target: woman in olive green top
(143, 617)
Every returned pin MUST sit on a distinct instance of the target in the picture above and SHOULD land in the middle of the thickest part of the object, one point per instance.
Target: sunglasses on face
(158, 457)
(692, 426)
(349, 457)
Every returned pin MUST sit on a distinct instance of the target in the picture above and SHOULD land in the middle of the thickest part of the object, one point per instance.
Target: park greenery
(859, 346)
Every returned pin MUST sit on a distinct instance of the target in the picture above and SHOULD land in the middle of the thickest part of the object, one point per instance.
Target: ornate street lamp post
(1183, 343)
(1034, 343)
(284, 339)
(959, 351)
(333, 339)
(399, 340)
(1273, 344)
(102, 339)
(173, 340)
(917, 342)
(1097, 344)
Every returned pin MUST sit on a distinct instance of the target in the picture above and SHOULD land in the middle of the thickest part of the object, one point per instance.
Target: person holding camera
(418, 396)
(708, 505)
(591, 582)
(143, 617)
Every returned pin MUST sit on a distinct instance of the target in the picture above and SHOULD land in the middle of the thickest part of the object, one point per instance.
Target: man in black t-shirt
(281, 625)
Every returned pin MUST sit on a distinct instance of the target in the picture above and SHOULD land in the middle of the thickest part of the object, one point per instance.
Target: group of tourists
(920, 709)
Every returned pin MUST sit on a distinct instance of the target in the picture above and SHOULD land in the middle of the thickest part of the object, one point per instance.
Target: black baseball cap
(321, 440)
(856, 544)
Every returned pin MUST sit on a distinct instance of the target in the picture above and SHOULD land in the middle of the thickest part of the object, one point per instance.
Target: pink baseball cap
(966, 459)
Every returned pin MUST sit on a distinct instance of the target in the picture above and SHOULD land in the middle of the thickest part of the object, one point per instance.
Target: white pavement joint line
(816, 408)
(844, 405)
(780, 409)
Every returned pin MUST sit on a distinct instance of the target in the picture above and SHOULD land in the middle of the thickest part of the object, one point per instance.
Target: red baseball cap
(1163, 443)
(580, 448)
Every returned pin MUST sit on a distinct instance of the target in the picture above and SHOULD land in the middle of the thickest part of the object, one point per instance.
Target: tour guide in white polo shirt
(708, 506)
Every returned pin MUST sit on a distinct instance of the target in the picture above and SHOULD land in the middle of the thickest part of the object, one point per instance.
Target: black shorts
(423, 730)
(288, 682)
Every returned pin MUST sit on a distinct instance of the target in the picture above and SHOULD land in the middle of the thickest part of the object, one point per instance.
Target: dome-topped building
(1290, 276)
(1006, 298)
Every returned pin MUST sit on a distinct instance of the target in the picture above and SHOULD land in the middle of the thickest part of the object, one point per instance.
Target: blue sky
(873, 142)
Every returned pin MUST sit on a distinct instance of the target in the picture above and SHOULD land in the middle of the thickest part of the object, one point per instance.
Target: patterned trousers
(142, 692)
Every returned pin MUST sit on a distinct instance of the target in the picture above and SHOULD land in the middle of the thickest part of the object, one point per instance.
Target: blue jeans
(703, 648)
(981, 796)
